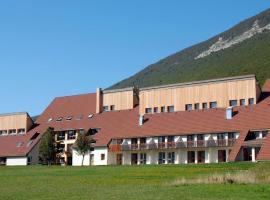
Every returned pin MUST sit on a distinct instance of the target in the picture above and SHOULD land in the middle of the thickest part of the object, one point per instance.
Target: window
(50, 119)
(19, 144)
(171, 158)
(204, 106)
(12, 131)
(3, 132)
(105, 108)
(213, 104)
(112, 107)
(231, 135)
(71, 135)
(200, 140)
(170, 138)
(188, 106)
(69, 118)
(21, 131)
(161, 158)
(233, 102)
(221, 136)
(148, 110)
(143, 158)
(29, 143)
(155, 109)
(161, 142)
(251, 101)
(61, 135)
(201, 156)
(59, 119)
(102, 156)
(190, 141)
(196, 106)
(200, 137)
(161, 139)
(264, 133)
(170, 108)
(162, 109)
(222, 156)
(242, 102)
(90, 116)
(191, 156)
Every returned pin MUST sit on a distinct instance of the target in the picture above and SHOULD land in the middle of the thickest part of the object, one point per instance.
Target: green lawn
(126, 182)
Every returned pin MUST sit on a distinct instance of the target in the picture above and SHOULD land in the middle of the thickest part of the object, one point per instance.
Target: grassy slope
(125, 182)
(249, 57)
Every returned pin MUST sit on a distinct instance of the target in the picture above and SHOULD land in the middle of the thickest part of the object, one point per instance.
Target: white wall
(16, 161)
(97, 155)
(77, 159)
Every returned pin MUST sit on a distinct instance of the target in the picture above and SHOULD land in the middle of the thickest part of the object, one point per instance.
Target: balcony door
(134, 158)
(201, 156)
(190, 141)
(119, 159)
(221, 139)
(191, 156)
(134, 143)
(161, 142)
(161, 158)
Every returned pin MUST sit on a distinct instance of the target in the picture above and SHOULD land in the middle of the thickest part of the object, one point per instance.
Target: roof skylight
(59, 119)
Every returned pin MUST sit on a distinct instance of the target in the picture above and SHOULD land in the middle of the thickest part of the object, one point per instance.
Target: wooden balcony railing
(172, 145)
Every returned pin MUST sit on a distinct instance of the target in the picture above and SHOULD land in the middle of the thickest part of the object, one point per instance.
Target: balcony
(172, 145)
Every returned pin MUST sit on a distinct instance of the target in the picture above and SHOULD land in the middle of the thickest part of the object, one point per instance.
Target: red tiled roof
(125, 124)
(8, 144)
(264, 153)
(74, 106)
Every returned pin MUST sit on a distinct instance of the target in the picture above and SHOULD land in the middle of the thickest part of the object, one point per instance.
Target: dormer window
(59, 119)
(50, 119)
(69, 118)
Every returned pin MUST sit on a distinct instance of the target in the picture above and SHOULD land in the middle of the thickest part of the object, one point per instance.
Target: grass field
(129, 182)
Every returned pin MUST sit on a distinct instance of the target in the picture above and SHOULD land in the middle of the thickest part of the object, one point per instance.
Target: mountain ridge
(183, 66)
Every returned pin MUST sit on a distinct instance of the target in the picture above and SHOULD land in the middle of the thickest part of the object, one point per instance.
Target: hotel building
(213, 121)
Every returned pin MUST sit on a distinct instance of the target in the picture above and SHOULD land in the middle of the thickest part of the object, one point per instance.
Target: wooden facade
(122, 99)
(15, 121)
(220, 91)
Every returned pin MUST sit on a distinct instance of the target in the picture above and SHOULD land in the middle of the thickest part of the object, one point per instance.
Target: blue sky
(57, 48)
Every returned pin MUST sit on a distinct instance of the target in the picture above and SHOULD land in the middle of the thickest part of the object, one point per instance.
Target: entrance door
(119, 158)
(134, 158)
(221, 155)
(247, 154)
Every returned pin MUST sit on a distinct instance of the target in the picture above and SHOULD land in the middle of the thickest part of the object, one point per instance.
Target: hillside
(243, 49)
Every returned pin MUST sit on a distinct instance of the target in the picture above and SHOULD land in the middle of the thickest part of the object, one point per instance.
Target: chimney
(229, 112)
(99, 101)
(141, 120)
